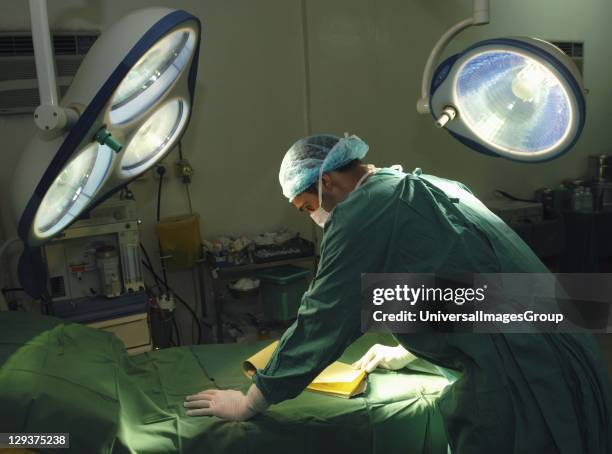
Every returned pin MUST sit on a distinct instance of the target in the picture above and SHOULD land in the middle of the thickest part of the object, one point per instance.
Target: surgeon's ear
(326, 181)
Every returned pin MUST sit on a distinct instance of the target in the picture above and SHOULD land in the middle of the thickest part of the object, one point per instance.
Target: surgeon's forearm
(255, 401)
(409, 357)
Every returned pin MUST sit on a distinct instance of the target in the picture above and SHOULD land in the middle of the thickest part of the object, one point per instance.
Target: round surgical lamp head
(518, 98)
(133, 95)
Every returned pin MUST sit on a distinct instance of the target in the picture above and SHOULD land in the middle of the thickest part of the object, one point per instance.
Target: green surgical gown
(517, 393)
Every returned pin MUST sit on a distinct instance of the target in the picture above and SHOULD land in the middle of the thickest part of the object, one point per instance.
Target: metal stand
(212, 280)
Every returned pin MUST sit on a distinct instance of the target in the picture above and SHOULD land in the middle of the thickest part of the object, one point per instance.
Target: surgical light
(154, 137)
(152, 75)
(72, 189)
(126, 108)
(517, 98)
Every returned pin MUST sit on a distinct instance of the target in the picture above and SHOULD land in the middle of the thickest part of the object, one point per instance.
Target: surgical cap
(303, 162)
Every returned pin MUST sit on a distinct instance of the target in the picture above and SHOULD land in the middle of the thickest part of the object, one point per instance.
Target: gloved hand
(384, 356)
(226, 404)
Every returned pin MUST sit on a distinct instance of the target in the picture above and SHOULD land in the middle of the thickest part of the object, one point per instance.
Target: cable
(185, 182)
(148, 265)
(196, 294)
(161, 170)
(178, 297)
(158, 280)
(199, 295)
(178, 336)
(188, 198)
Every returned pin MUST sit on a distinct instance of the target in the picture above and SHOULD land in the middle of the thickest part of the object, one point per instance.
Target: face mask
(320, 215)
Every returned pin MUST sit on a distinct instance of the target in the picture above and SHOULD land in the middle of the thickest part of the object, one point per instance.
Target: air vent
(20, 45)
(574, 50)
(16, 45)
(15, 99)
(18, 83)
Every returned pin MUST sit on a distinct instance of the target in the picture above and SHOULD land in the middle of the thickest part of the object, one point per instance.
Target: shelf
(228, 270)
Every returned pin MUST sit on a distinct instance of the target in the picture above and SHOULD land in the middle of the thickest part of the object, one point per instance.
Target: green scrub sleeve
(328, 319)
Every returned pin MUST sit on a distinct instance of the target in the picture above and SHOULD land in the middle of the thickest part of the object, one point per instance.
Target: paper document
(337, 379)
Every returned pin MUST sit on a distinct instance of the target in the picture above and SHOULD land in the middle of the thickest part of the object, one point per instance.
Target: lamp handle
(480, 16)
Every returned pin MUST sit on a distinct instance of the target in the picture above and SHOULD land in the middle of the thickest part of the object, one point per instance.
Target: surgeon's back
(516, 393)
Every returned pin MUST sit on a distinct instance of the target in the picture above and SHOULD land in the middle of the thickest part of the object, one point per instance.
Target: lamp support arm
(480, 16)
(48, 115)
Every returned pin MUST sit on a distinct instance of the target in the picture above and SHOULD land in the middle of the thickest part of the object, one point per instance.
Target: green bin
(281, 291)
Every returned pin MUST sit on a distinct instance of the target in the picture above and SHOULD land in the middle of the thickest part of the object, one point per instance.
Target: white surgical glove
(226, 404)
(384, 356)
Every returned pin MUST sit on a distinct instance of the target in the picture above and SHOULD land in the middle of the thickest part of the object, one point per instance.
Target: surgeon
(536, 393)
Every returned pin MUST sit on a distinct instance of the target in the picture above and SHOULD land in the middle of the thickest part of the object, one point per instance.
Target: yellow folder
(337, 379)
